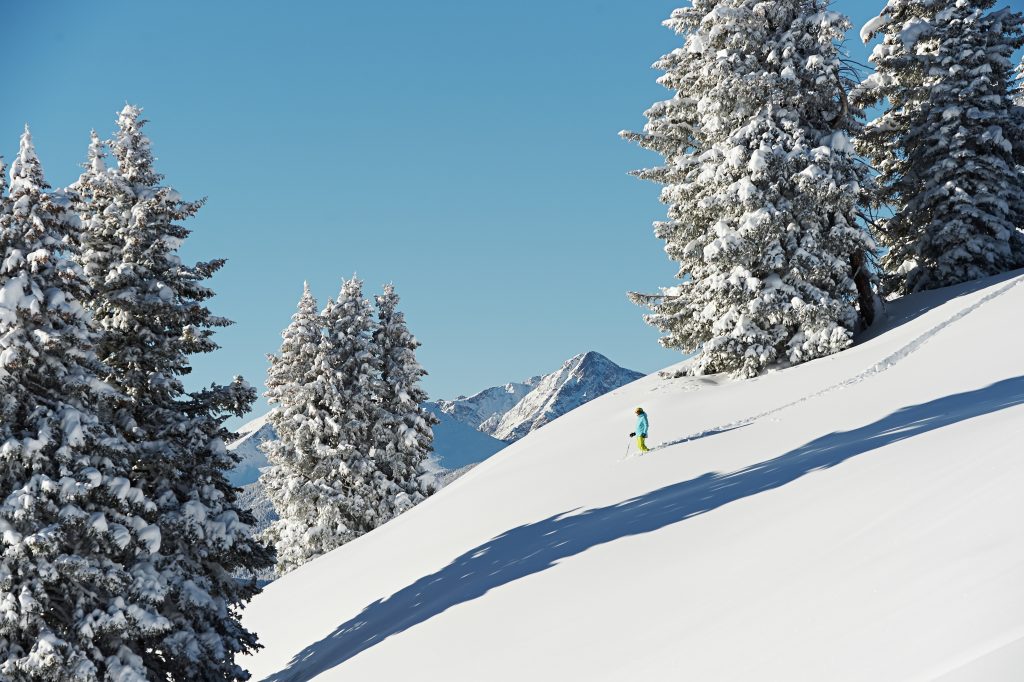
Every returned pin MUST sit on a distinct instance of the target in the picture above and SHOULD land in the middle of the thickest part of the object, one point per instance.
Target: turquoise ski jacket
(641, 424)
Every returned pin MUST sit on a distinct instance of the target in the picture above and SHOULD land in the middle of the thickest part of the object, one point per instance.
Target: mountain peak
(483, 410)
(516, 408)
(580, 379)
(591, 360)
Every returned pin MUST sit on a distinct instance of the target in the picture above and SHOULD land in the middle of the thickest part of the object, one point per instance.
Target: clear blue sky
(466, 151)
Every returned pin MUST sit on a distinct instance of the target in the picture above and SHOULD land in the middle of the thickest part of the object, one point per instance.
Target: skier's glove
(632, 434)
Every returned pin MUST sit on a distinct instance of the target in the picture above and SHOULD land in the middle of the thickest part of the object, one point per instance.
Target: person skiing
(641, 429)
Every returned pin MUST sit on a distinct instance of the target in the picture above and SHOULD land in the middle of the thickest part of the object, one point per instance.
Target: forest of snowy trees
(781, 228)
(123, 540)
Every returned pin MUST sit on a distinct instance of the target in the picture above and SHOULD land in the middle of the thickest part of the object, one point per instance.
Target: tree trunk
(862, 278)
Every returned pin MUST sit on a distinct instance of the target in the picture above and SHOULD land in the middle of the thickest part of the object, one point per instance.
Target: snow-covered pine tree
(943, 145)
(352, 359)
(149, 306)
(102, 201)
(762, 185)
(324, 484)
(78, 542)
(403, 436)
(1017, 134)
(299, 421)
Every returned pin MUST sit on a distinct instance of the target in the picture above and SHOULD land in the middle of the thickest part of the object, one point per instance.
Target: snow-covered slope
(460, 448)
(579, 380)
(853, 518)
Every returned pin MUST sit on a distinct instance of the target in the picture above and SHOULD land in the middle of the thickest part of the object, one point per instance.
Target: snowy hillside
(853, 518)
(461, 437)
(578, 381)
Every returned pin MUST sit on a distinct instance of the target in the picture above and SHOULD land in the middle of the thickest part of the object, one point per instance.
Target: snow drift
(852, 518)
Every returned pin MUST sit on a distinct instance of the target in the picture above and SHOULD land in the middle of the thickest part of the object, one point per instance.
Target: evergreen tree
(150, 308)
(324, 484)
(291, 482)
(403, 435)
(1017, 85)
(101, 201)
(1017, 133)
(78, 542)
(762, 184)
(944, 144)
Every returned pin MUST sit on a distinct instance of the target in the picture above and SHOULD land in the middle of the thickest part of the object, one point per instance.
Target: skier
(641, 429)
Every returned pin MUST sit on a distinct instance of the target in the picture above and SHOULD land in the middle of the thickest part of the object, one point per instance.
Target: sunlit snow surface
(854, 518)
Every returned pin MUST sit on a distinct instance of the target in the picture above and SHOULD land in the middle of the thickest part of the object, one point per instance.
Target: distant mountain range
(473, 428)
(483, 411)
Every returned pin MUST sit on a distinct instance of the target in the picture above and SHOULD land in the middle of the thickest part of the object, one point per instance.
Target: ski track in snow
(879, 367)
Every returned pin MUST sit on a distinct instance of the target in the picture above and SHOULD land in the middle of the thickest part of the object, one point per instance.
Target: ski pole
(628, 444)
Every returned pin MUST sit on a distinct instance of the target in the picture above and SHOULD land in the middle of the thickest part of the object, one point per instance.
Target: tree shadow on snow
(535, 547)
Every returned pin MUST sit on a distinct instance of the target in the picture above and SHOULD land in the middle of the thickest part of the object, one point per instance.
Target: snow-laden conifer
(292, 379)
(762, 185)
(324, 484)
(149, 306)
(1018, 83)
(300, 422)
(944, 143)
(102, 200)
(403, 436)
(1017, 133)
(78, 540)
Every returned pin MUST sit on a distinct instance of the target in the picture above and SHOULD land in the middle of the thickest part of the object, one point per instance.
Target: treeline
(782, 231)
(122, 538)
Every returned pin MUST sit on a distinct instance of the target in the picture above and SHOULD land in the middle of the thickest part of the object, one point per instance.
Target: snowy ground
(854, 518)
